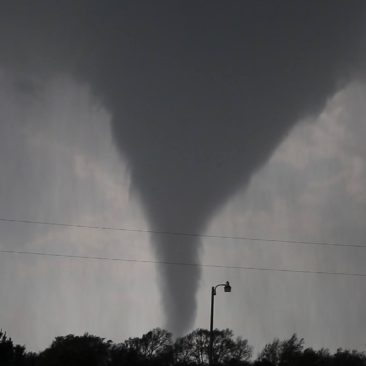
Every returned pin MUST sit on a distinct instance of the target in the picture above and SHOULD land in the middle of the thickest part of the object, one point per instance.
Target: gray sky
(167, 123)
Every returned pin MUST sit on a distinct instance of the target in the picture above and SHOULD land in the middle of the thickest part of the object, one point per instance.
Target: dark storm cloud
(200, 93)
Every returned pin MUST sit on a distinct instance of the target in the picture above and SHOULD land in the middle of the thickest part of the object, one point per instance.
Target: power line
(186, 264)
(177, 233)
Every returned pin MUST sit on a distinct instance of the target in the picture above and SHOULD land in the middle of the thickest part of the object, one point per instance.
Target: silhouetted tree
(314, 358)
(291, 351)
(270, 354)
(227, 350)
(120, 355)
(193, 349)
(13, 355)
(6, 349)
(30, 359)
(241, 353)
(349, 358)
(73, 350)
(154, 347)
(285, 353)
(152, 343)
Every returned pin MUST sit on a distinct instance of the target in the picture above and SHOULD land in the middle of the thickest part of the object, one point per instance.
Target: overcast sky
(77, 147)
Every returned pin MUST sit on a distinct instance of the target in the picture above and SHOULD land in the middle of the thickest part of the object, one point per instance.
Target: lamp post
(227, 288)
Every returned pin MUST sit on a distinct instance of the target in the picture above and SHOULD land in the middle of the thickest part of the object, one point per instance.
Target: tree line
(157, 347)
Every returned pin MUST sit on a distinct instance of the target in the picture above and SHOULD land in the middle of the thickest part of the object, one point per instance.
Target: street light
(227, 288)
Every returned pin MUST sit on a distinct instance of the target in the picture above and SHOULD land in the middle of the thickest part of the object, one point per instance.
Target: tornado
(200, 94)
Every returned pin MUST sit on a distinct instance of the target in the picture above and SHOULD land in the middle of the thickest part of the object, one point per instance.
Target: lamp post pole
(227, 288)
(210, 353)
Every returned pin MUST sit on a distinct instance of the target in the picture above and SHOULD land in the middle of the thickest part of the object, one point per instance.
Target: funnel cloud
(200, 94)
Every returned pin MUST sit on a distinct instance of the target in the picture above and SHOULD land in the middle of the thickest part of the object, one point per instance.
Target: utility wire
(186, 264)
(175, 233)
